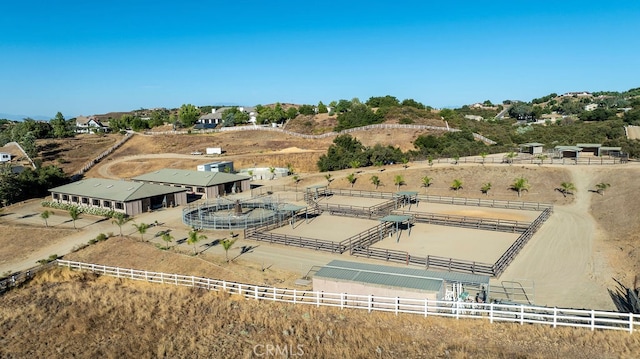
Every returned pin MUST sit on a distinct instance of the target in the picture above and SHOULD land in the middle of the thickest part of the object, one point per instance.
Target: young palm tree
(567, 188)
(296, 179)
(375, 180)
(398, 180)
(354, 164)
(193, 238)
(484, 156)
(601, 187)
(430, 160)
(520, 184)
(542, 158)
(226, 244)
(456, 185)
(272, 170)
(167, 238)
(405, 162)
(45, 215)
(74, 213)
(328, 178)
(486, 188)
(510, 156)
(352, 179)
(142, 229)
(119, 219)
(456, 158)
(290, 168)
(426, 182)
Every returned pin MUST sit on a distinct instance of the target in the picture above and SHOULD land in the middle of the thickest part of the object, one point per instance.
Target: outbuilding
(593, 148)
(126, 197)
(532, 148)
(198, 183)
(567, 151)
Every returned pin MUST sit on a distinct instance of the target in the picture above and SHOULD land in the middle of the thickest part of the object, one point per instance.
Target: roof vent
(129, 189)
(109, 186)
(97, 184)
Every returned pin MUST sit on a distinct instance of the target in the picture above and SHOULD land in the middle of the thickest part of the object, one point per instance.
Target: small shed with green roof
(126, 197)
(384, 281)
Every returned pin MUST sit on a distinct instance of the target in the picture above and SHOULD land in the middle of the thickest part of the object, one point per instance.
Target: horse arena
(447, 233)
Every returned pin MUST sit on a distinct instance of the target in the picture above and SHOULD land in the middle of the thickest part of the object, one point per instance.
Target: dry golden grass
(18, 241)
(76, 151)
(63, 314)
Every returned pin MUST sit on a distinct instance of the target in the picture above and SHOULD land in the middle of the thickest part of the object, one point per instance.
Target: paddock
(450, 242)
(327, 227)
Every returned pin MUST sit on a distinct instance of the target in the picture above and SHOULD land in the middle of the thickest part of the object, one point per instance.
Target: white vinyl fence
(577, 318)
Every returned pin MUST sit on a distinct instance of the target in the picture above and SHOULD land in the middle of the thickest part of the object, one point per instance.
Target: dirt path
(560, 258)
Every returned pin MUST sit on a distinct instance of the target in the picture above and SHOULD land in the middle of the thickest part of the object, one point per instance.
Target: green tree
(272, 170)
(74, 213)
(398, 180)
(119, 219)
(291, 113)
(484, 156)
(520, 184)
(28, 143)
(542, 157)
(486, 188)
(322, 108)
(61, 128)
(226, 244)
(328, 178)
(375, 180)
(601, 187)
(566, 188)
(188, 114)
(456, 185)
(167, 238)
(426, 182)
(510, 156)
(194, 237)
(142, 229)
(351, 178)
(354, 164)
(45, 215)
(405, 162)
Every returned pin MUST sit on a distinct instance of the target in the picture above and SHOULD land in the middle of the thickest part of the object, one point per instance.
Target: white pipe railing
(577, 318)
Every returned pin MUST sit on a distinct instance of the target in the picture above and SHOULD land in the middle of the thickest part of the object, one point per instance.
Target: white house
(591, 107)
(89, 125)
(213, 119)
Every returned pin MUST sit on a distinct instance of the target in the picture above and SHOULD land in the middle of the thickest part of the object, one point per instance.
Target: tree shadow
(626, 299)
(209, 245)
(181, 240)
(28, 215)
(244, 250)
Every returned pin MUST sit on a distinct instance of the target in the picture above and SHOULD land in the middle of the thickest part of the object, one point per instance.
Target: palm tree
(45, 215)
(167, 238)
(74, 213)
(510, 156)
(398, 180)
(456, 158)
(405, 162)
(426, 182)
(484, 156)
(272, 170)
(194, 238)
(352, 179)
(430, 160)
(456, 185)
(601, 187)
(119, 219)
(486, 188)
(296, 179)
(226, 244)
(354, 164)
(250, 173)
(566, 188)
(542, 158)
(290, 168)
(328, 178)
(520, 184)
(142, 229)
(375, 180)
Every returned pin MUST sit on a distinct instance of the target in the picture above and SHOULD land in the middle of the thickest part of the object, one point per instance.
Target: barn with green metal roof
(121, 196)
(200, 183)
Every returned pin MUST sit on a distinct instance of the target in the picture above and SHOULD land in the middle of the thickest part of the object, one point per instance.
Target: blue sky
(90, 57)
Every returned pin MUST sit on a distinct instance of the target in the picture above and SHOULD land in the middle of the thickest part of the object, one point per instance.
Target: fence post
(555, 317)
(490, 312)
(341, 300)
(317, 299)
(193, 281)
(162, 277)
(397, 304)
(146, 278)
(426, 306)
(593, 320)
(294, 296)
(274, 294)
(369, 304)
(117, 272)
(255, 292)
(630, 322)
(522, 315)
(240, 288)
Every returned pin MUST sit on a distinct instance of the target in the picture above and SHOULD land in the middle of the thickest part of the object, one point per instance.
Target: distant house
(474, 117)
(215, 117)
(591, 107)
(127, 197)
(5, 157)
(89, 125)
